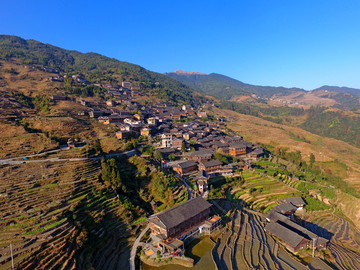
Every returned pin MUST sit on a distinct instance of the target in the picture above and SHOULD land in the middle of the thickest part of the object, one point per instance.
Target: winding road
(136, 244)
(13, 161)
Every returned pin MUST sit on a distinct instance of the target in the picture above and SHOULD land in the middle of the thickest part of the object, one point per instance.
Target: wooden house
(202, 114)
(201, 155)
(145, 132)
(177, 143)
(293, 236)
(126, 85)
(238, 149)
(210, 166)
(111, 103)
(123, 134)
(185, 167)
(179, 219)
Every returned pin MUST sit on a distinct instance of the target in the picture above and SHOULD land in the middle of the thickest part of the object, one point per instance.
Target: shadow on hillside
(320, 231)
(100, 227)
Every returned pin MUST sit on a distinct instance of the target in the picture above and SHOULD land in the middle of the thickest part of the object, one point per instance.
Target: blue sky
(265, 42)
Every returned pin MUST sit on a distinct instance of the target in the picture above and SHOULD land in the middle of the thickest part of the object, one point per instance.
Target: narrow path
(136, 244)
(12, 162)
(34, 155)
(188, 188)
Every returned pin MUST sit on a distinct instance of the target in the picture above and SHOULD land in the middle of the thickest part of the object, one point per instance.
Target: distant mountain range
(338, 89)
(176, 86)
(227, 88)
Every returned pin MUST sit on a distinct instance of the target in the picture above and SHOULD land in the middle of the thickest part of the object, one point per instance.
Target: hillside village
(186, 138)
(216, 183)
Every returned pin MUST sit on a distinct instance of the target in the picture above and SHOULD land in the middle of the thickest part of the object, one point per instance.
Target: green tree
(129, 146)
(172, 157)
(135, 143)
(42, 103)
(158, 156)
(110, 174)
(97, 146)
(183, 147)
(68, 83)
(218, 156)
(312, 160)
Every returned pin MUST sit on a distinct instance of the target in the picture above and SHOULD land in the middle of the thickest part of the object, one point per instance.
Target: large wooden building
(177, 221)
(200, 156)
(185, 167)
(210, 166)
(238, 149)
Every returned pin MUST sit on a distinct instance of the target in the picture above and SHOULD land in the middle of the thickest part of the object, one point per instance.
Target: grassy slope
(326, 150)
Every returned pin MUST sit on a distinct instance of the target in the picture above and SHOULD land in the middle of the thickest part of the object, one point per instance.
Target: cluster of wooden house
(200, 139)
(293, 236)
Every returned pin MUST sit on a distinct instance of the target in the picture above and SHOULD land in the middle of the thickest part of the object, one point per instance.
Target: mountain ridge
(222, 86)
(339, 89)
(239, 87)
(95, 67)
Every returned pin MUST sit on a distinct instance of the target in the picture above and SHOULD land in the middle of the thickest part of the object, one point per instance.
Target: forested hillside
(333, 124)
(317, 120)
(225, 87)
(96, 67)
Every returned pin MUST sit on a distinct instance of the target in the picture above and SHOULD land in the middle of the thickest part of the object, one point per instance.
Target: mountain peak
(182, 72)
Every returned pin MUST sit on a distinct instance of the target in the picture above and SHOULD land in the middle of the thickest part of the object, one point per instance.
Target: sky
(290, 43)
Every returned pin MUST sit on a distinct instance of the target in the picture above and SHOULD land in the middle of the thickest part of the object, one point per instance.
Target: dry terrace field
(258, 130)
(340, 157)
(16, 141)
(244, 245)
(29, 82)
(35, 204)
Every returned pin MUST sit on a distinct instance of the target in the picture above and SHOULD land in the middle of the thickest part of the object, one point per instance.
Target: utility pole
(313, 254)
(12, 258)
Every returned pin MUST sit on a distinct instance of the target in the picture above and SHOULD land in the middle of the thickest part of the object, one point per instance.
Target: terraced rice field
(344, 238)
(244, 245)
(259, 191)
(37, 207)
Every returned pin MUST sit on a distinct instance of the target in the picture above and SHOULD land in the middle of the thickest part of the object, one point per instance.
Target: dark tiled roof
(220, 144)
(186, 164)
(275, 216)
(317, 263)
(182, 212)
(166, 150)
(202, 174)
(284, 234)
(257, 151)
(295, 201)
(211, 163)
(297, 229)
(238, 145)
(200, 153)
(284, 208)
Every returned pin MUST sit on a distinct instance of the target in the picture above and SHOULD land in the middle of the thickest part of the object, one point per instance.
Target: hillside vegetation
(96, 67)
(225, 87)
(318, 120)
